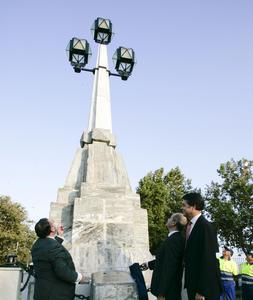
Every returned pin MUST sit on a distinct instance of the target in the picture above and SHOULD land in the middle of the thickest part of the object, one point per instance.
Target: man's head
(44, 228)
(176, 221)
(193, 203)
(249, 257)
(227, 253)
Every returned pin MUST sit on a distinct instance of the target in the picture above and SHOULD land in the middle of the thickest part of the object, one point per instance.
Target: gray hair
(178, 219)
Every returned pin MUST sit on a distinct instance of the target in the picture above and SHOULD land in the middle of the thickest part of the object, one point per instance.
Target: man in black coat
(55, 274)
(202, 274)
(168, 266)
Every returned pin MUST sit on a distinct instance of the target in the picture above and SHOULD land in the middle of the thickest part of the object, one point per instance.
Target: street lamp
(102, 31)
(79, 51)
(124, 60)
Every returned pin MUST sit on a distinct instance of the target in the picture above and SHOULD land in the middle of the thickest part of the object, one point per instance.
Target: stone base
(83, 289)
(10, 283)
(114, 285)
(105, 227)
(110, 230)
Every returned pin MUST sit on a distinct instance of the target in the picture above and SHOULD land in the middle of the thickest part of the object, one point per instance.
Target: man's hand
(60, 230)
(85, 279)
(160, 298)
(199, 297)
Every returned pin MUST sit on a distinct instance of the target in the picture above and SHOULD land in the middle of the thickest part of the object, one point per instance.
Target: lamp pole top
(124, 60)
(100, 112)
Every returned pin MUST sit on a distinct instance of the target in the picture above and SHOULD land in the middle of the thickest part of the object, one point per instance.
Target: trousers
(228, 287)
(247, 291)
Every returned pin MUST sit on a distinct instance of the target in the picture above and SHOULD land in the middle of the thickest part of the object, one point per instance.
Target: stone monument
(105, 227)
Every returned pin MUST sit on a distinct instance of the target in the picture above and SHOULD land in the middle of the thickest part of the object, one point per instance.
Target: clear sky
(187, 104)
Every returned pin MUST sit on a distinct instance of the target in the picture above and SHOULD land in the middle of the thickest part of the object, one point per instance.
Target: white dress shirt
(193, 221)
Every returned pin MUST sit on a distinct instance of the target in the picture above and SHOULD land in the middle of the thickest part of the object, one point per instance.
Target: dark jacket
(140, 282)
(202, 273)
(168, 268)
(54, 271)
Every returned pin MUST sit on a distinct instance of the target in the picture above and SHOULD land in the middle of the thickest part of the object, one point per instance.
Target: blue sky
(187, 104)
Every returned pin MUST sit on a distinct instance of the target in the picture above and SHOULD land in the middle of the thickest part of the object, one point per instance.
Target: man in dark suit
(55, 274)
(166, 281)
(202, 275)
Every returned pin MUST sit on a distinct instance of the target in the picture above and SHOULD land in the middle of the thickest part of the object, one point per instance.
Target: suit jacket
(54, 271)
(168, 268)
(202, 273)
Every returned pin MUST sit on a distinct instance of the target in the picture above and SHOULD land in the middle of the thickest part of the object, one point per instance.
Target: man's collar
(172, 232)
(55, 236)
(194, 219)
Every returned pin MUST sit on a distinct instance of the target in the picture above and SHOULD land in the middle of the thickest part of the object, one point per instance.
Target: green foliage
(230, 203)
(14, 230)
(161, 194)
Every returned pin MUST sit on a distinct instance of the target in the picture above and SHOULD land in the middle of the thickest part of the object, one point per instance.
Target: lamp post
(107, 227)
(79, 51)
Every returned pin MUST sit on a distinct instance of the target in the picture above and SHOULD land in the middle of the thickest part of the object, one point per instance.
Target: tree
(161, 194)
(230, 203)
(15, 234)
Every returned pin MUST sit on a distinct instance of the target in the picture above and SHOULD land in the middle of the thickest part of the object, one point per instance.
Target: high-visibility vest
(247, 273)
(228, 268)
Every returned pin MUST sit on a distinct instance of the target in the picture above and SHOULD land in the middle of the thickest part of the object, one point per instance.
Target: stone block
(77, 170)
(97, 134)
(62, 213)
(103, 135)
(67, 195)
(117, 210)
(106, 190)
(88, 208)
(104, 165)
(86, 232)
(85, 138)
(120, 234)
(134, 199)
(114, 285)
(10, 282)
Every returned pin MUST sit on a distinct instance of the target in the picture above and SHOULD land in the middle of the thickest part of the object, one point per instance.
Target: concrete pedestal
(105, 227)
(83, 289)
(114, 285)
(10, 280)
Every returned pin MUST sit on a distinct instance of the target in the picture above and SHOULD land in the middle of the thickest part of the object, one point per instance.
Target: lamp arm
(89, 70)
(94, 69)
(113, 74)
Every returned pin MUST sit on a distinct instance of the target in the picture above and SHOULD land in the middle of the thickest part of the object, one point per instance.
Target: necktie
(188, 230)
